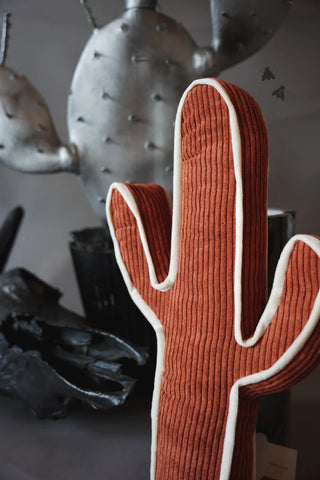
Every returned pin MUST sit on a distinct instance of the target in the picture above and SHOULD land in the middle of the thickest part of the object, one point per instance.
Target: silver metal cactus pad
(124, 94)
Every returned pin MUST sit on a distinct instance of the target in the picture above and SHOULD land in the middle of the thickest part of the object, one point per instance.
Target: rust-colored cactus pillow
(199, 276)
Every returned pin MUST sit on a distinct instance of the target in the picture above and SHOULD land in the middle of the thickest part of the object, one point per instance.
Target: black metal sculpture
(49, 357)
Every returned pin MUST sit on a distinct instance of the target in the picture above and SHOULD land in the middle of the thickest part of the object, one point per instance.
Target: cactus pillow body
(198, 274)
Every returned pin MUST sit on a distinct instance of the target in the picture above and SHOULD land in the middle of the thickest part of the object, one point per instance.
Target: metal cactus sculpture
(124, 94)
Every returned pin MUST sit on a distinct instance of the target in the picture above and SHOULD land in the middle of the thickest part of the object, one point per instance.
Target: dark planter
(105, 298)
(273, 419)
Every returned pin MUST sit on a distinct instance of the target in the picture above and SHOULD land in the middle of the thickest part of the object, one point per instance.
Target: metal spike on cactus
(124, 94)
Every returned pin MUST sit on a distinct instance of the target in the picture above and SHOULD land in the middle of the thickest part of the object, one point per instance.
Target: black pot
(105, 298)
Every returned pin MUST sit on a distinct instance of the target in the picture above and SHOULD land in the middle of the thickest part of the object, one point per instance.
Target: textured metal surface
(125, 92)
(49, 356)
(28, 140)
(123, 100)
(105, 297)
(239, 29)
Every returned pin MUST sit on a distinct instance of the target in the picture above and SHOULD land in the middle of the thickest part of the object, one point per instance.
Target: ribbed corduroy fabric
(202, 358)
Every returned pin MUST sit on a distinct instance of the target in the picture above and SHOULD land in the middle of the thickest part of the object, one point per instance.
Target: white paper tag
(275, 462)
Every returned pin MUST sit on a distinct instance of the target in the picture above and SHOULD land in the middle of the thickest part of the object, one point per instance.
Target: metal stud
(132, 118)
(156, 97)
(105, 170)
(226, 15)
(80, 119)
(8, 115)
(124, 27)
(1, 146)
(101, 200)
(107, 140)
(106, 96)
(149, 145)
(41, 128)
(139, 58)
(97, 55)
(169, 169)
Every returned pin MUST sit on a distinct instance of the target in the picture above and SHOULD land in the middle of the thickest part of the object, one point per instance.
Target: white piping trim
(168, 282)
(145, 309)
(130, 201)
(277, 367)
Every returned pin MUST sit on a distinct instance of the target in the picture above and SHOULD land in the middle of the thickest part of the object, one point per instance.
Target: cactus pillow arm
(199, 276)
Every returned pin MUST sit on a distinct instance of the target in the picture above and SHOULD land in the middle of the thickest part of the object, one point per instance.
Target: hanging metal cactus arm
(28, 139)
(239, 29)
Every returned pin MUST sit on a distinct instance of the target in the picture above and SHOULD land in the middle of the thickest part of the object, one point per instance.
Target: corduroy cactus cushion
(199, 276)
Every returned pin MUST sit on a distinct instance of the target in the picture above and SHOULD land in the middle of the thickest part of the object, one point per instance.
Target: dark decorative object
(279, 92)
(105, 298)
(281, 227)
(49, 357)
(267, 74)
(274, 411)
